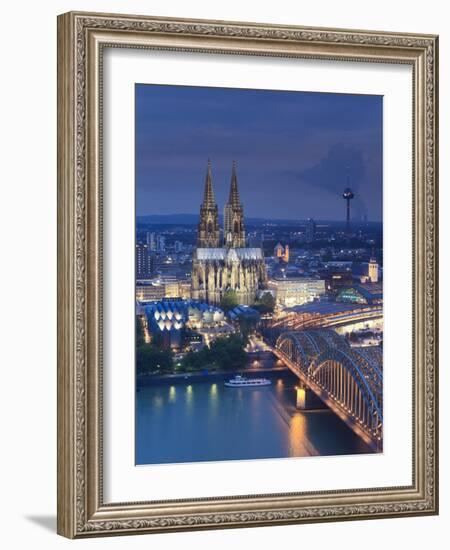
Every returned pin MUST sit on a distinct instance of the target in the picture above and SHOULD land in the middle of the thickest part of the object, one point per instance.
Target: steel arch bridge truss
(349, 379)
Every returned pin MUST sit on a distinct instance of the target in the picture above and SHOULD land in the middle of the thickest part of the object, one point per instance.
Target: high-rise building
(155, 242)
(151, 240)
(160, 243)
(178, 246)
(232, 267)
(144, 261)
(310, 232)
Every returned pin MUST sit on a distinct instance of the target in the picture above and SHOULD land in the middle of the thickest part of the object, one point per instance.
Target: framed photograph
(247, 276)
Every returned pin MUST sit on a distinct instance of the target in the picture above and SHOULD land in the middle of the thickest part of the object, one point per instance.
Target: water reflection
(172, 394)
(214, 397)
(202, 421)
(189, 396)
(300, 442)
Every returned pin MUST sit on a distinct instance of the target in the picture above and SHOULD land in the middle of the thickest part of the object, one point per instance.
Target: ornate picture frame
(82, 38)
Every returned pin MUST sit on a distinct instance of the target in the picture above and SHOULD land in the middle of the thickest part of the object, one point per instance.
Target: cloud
(331, 172)
(343, 166)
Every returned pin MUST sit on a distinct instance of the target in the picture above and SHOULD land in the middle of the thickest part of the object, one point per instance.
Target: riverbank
(152, 379)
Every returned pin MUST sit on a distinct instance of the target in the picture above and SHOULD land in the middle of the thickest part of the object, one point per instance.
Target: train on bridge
(325, 315)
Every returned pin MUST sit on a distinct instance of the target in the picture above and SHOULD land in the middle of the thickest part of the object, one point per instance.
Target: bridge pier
(346, 381)
(301, 397)
(307, 400)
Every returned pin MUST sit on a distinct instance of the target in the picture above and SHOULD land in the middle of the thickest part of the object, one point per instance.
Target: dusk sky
(293, 150)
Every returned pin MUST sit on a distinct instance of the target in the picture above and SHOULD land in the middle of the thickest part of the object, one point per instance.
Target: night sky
(294, 151)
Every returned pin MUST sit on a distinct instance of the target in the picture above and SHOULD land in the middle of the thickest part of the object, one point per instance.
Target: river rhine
(199, 421)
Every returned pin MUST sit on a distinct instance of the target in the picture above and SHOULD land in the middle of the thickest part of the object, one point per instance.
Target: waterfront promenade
(259, 364)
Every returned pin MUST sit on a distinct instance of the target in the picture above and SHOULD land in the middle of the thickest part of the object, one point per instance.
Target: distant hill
(192, 219)
(169, 219)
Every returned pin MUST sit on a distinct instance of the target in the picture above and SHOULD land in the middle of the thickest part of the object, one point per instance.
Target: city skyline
(320, 143)
(248, 309)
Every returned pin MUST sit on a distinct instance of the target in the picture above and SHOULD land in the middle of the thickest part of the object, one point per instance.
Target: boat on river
(241, 382)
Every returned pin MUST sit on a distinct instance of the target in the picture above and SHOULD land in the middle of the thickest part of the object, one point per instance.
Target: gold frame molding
(81, 39)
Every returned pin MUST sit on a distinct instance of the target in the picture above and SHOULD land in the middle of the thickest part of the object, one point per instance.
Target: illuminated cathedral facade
(224, 263)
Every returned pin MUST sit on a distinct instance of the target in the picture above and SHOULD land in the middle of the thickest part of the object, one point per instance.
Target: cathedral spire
(208, 227)
(233, 216)
(209, 200)
(233, 199)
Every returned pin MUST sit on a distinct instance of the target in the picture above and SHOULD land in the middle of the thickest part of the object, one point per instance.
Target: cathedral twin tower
(220, 266)
(233, 218)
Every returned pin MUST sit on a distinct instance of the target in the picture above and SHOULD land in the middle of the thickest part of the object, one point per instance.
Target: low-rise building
(171, 287)
(167, 318)
(184, 289)
(163, 287)
(368, 293)
(244, 312)
(147, 291)
(336, 278)
(296, 290)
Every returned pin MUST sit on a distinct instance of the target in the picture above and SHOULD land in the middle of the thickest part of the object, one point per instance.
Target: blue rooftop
(238, 311)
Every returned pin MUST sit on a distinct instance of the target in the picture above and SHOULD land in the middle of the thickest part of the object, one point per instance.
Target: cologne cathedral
(221, 264)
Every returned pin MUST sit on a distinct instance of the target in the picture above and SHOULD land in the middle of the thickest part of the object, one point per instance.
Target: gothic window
(210, 227)
(236, 227)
